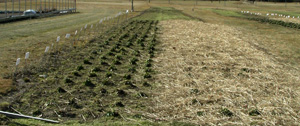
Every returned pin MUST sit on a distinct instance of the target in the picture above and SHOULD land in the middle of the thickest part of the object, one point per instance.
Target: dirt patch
(210, 74)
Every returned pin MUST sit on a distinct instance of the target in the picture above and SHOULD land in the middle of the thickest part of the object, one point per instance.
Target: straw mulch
(204, 69)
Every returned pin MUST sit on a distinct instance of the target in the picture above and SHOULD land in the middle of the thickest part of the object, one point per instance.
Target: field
(170, 64)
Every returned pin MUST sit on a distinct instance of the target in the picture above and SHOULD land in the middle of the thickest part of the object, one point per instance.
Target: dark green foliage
(132, 69)
(121, 93)
(112, 68)
(118, 57)
(96, 69)
(107, 83)
(89, 83)
(200, 113)
(75, 73)
(26, 79)
(226, 112)
(127, 76)
(147, 69)
(147, 75)
(61, 90)
(119, 104)
(277, 22)
(117, 62)
(112, 114)
(68, 80)
(148, 64)
(254, 112)
(108, 74)
(94, 52)
(133, 61)
(103, 62)
(142, 94)
(80, 68)
(92, 74)
(146, 84)
(194, 91)
(86, 61)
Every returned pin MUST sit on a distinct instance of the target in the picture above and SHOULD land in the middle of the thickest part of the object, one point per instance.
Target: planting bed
(108, 77)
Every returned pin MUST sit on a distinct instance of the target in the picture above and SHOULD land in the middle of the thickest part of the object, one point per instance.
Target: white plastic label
(81, 29)
(26, 55)
(92, 26)
(67, 35)
(127, 11)
(47, 49)
(18, 61)
(85, 26)
(76, 32)
(58, 38)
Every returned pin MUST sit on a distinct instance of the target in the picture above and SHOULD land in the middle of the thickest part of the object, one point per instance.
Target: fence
(15, 8)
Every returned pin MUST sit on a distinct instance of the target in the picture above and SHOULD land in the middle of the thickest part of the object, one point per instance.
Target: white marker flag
(58, 38)
(85, 26)
(18, 61)
(76, 32)
(127, 11)
(47, 49)
(26, 55)
(67, 35)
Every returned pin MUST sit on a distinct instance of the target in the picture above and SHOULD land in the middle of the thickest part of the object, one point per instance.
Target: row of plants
(277, 22)
(111, 73)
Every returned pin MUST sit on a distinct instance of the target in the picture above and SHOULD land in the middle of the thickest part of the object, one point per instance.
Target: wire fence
(16, 8)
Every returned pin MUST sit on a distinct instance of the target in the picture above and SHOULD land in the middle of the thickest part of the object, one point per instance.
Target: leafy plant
(254, 112)
(133, 61)
(132, 69)
(226, 112)
(127, 76)
(96, 69)
(80, 68)
(86, 61)
(89, 83)
(92, 74)
(76, 73)
(108, 74)
(147, 75)
(68, 80)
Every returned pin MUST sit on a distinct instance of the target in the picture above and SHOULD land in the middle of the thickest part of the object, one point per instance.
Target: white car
(29, 12)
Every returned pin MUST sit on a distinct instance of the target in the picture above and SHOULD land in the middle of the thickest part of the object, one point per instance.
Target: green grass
(228, 13)
(163, 13)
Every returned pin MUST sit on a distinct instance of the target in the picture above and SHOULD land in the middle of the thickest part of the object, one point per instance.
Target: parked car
(29, 12)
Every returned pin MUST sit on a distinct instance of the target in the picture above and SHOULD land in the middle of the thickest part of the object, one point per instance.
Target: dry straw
(204, 68)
